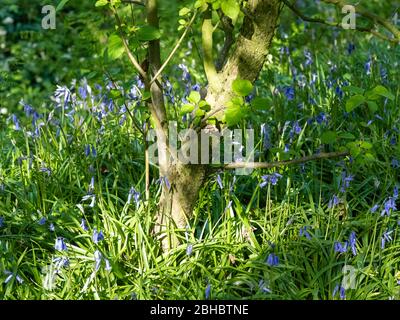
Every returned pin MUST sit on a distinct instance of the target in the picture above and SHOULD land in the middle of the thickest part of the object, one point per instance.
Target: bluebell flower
(263, 287)
(266, 133)
(386, 237)
(1, 222)
(350, 48)
(368, 67)
(87, 150)
(15, 120)
(395, 163)
(304, 232)
(219, 181)
(395, 192)
(390, 204)
(308, 56)
(339, 92)
(136, 197)
(83, 225)
(353, 243)
(107, 266)
(189, 249)
(289, 93)
(345, 182)
(91, 197)
(341, 290)
(196, 87)
(270, 178)
(97, 236)
(335, 200)
(287, 148)
(91, 185)
(296, 127)
(322, 118)
(61, 262)
(97, 258)
(208, 291)
(272, 260)
(42, 221)
(51, 227)
(60, 244)
(374, 208)
(164, 181)
(94, 152)
(341, 247)
(12, 275)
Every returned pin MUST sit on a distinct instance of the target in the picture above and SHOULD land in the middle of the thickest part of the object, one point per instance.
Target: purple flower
(386, 237)
(208, 291)
(345, 182)
(296, 127)
(350, 48)
(390, 204)
(342, 292)
(189, 249)
(136, 197)
(395, 163)
(1, 222)
(263, 287)
(219, 181)
(97, 236)
(270, 178)
(333, 202)
(341, 248)
(289, 93)
(303, 232)
(374, 208)
(272, 260)
(368, 67)
(83, 225)
(353, 243)
(97, 259)
(51, 227)
(42, 221)
(14, 119)
(60, 244)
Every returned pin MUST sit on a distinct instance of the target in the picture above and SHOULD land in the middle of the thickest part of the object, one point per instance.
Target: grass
(234, 230)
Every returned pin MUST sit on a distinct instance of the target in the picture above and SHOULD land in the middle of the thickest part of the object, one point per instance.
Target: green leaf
(354, 102)
(148, 33)
(115, 47)
(233, 114)
(383, 92)
(203, 105)
(230, 8)
(187, 108)
(242, 87)
(61, 5)
(372, 106)
(347, 135)
(184, 11)
(101, 3)
(328, 137)
(194, 97)
(354, 90)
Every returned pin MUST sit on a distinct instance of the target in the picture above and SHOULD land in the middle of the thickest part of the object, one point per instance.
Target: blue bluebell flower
(390, 204)
(60, 244)
(12, 275)
(51, 227)
(308, 56)
(386, 237)
(266, 133)
(219, 181)
(61, 262)
(374, 208)
(350, 48)
(345, 181)
(395, 163)
(1, 222)
(97, 258)
(87, 150)
(270, 179)
(83, 225)
(263, 287)
(189, 249)
(353, 243)
(42, 221)
(289, 93)
(341, 247)
(15, 120)
(341, 290)
(272, 260)
(335, 200)
(136, 196)
(107, 266)
(368, 67)
(208, 291)
(91, 197)
(164, 181)
(322, 118)
(97, 236)
(304, 232)
(91, 185)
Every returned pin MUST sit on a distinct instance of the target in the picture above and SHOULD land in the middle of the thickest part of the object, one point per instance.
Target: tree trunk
(245, 62)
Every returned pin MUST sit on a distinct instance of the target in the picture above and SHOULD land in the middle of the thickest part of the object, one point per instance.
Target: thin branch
(227, 26)
(269, 165)
(178, 44)
(364, 13)
(131, 57)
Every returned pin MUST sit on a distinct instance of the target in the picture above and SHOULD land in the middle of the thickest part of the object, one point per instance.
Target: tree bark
(245, 62)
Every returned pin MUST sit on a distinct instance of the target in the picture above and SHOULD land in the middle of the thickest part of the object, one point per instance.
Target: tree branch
(269, 165)
(175, 49)
(228, 28)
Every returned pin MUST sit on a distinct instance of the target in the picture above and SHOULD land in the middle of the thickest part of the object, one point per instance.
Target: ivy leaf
(242, 87)
(115, 47)
(230, 8)
(148, 33)
(354, 102)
